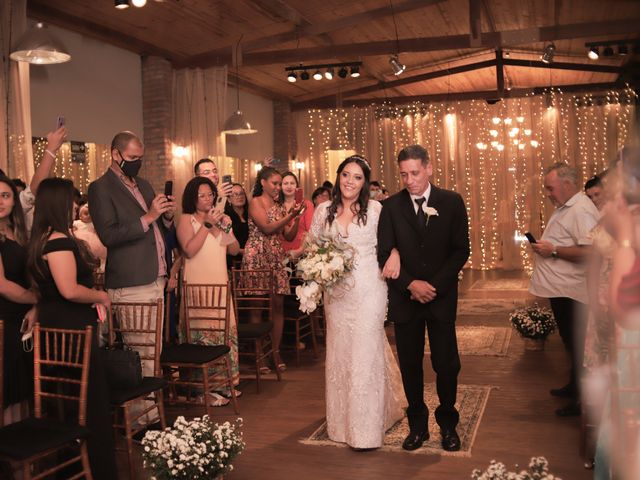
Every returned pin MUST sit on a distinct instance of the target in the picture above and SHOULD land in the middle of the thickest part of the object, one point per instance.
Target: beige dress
(209, 265)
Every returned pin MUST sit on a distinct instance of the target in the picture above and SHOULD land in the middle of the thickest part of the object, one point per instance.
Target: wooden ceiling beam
(475, 22)
(459, 96)
(214, 57)
(584, 67)
(45, 13)
(491, 40)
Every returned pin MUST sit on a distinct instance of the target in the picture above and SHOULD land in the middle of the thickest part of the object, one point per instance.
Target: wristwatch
(554, 254)
(207, 224)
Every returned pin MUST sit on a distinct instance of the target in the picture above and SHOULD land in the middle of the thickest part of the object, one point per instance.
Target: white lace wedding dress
(364, 392)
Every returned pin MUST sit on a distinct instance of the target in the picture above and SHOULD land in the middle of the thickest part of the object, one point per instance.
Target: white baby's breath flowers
(195, 449)
(533, 321)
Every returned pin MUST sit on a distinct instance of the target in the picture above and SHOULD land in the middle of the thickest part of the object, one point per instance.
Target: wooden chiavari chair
(61, 374)
(303, 324)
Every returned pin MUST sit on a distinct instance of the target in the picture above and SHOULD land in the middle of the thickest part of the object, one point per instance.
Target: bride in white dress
(364, 392)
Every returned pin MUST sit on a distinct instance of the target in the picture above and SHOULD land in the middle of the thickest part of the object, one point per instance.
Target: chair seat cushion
(148, 385)
(192, 353)
(31, 436)
(247, 331)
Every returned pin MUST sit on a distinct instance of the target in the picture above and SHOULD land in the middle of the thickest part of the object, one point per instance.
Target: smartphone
(60, 122)
(530, 237)
(221, 202)
(299, 195)
(168, 188)
(226, 179)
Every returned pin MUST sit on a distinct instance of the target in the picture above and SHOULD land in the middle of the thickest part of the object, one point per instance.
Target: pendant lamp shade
(39, 47)
(236, 124)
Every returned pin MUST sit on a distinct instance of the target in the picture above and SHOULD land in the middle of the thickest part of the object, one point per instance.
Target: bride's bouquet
(327, 259)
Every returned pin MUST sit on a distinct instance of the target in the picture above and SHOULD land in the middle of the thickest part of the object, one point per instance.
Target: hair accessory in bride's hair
(362, 159)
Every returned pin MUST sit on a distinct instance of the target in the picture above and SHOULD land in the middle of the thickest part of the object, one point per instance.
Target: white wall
(99, 91)
(259, 112)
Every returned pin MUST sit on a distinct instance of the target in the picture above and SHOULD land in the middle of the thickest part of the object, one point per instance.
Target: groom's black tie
(422, 218)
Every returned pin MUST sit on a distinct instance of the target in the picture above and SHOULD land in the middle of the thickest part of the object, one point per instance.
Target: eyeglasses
(207, 172)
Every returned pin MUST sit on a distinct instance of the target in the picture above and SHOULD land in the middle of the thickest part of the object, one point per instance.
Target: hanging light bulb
(39, 47)
(507, 121)
(521, 146)
(396, 66)
(500, 147)
(520, 119)
(527, 132)
(495, 120)
(534, 143)
(493, 133)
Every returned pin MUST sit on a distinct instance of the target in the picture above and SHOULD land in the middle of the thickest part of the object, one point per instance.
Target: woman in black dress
(61, 268)
(16, 301)
(237, 208)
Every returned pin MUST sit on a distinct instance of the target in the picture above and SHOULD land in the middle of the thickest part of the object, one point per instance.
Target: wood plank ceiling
(450, 47)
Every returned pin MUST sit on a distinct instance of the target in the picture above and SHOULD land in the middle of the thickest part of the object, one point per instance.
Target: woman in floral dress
(268, 223)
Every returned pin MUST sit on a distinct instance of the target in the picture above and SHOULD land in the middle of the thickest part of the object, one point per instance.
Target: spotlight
(122, 4)
(623, 50)
(317, 75)
(329, 74)
(548, 53)
(304, 75)
(342, 73)
(396, 66)
(593, 53)
(139, 3)
(355, 72)
(292, 77)
(607, 52)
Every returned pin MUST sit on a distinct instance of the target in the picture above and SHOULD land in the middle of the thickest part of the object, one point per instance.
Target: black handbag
(123, 366)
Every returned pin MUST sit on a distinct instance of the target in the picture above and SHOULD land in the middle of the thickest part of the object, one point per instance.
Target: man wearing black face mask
(130, 220)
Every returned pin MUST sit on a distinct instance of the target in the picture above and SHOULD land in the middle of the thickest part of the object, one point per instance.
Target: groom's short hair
(414, 152)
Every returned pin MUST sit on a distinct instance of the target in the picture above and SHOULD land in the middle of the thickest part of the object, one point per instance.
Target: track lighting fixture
(121, 4)
(608, 48)
(329, 69)
(139, 3)
(396, 66)
(548, 53)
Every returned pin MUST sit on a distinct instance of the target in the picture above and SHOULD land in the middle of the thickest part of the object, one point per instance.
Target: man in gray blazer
(130, 220)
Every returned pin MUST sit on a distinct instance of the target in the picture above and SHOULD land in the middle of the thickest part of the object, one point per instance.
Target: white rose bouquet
(326, 260)
(533, 321)
(196, 449)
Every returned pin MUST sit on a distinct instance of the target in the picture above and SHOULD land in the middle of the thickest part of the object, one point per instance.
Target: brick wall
(284, 142)
(157, 78)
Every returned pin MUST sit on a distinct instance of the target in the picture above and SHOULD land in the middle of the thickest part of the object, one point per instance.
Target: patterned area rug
(486, 306)
(483, 341)
(502, 284)
(472, 400)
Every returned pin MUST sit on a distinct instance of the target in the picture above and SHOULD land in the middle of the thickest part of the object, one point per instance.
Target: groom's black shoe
(415, 440)
(450, 440)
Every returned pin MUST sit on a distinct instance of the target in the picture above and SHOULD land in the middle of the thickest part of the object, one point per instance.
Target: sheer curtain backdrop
(501, 183)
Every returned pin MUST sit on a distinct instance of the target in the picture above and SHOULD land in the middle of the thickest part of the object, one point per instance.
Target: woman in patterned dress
(268, 223)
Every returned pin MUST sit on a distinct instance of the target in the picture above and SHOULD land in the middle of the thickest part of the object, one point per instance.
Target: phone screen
(220, 204)
(226, 179)
(168, 188)
(530, 237)
(299, 195)
(60, 121)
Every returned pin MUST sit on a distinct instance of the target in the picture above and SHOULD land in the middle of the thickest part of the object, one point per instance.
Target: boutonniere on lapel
(429, 212)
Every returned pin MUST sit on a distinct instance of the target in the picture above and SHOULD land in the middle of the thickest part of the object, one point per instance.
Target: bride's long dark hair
(359, 207)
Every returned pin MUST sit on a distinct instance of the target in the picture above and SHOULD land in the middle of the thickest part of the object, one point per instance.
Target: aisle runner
(502, 284)
(472, 400)
(483, 341)
(486, 306)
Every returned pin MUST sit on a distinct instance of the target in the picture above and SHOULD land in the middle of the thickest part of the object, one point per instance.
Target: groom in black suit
(428, 226)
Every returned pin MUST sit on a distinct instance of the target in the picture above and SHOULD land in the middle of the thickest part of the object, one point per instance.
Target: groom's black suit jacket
(435, 253)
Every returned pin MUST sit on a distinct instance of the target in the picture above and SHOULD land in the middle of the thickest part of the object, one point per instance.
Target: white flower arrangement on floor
(538, 470)
(327, 259)
(533, 321)
(196, 449)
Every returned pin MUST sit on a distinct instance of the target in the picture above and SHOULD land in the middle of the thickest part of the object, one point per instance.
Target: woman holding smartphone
(205, 241)
(292, 195)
